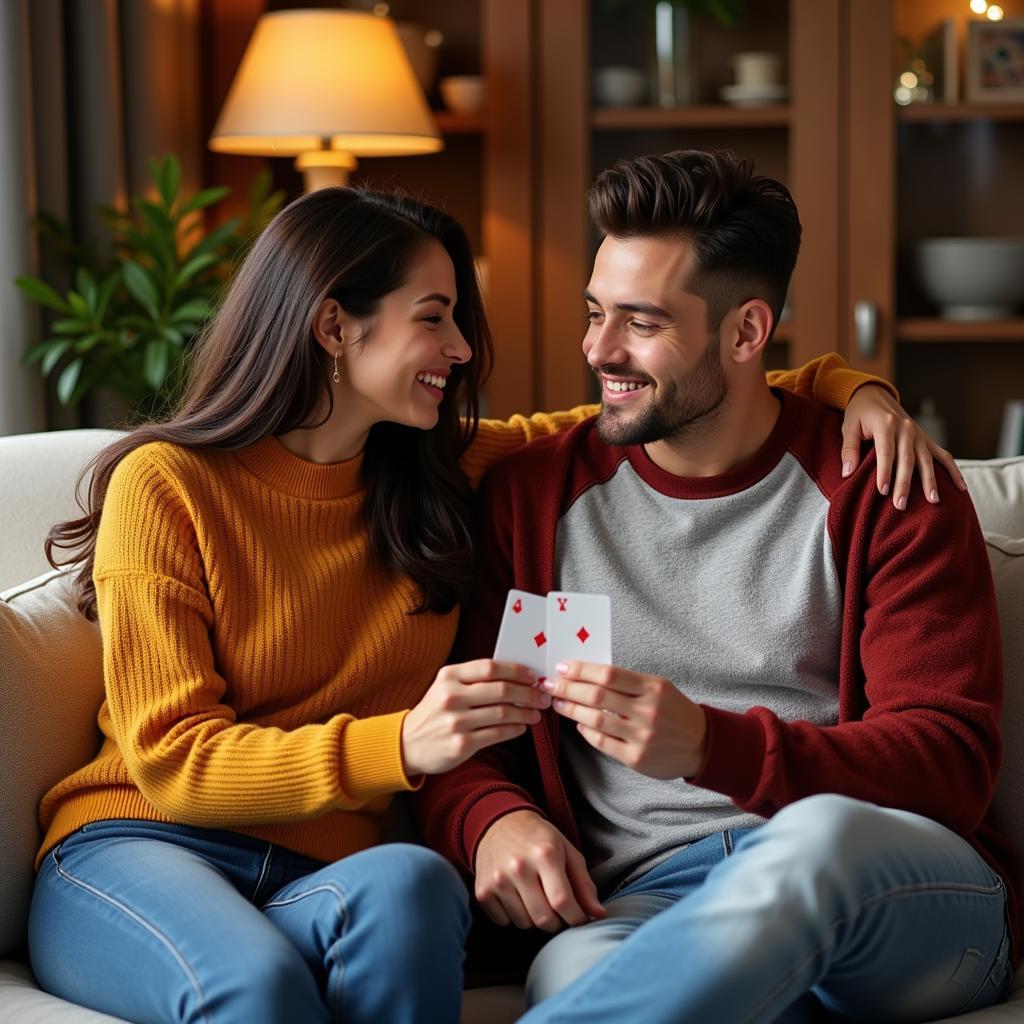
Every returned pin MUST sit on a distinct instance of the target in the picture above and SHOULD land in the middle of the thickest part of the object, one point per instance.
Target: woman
(253, 563)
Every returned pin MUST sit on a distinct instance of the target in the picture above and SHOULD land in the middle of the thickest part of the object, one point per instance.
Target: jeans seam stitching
(322, 887)
(901, 890)
(339, 892)
(139, 919)
(263, 872)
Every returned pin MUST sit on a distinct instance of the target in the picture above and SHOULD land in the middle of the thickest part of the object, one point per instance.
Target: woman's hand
(469, 707)
(873, 414)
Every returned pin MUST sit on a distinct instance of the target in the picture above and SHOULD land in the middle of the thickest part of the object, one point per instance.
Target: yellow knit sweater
(258, 663)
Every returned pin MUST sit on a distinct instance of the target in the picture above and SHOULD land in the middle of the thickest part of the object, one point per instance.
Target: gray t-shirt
(736, 599)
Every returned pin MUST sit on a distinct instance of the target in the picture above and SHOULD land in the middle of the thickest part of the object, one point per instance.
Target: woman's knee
(411, 882)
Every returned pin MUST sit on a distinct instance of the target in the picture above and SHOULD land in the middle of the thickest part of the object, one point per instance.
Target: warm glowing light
(903, 96)
(979, 6)
(908, 79)
(994, 12)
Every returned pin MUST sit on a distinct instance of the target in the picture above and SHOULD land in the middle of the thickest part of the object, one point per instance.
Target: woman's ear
(331, 325)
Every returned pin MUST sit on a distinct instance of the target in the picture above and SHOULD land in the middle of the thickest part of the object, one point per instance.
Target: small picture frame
(994, 64)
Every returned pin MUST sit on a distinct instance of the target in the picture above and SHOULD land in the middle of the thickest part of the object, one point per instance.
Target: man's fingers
(595, 718)
(514, 908)
(495, 911)
(535, 900)
(582, 884)
(608, 676)
(610, 745)
(558, 889)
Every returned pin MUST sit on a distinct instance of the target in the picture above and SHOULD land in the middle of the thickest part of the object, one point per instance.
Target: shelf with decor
(711, 115)
(933, 329)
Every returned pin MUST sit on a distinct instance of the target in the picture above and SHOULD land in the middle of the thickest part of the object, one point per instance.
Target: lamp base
(324, 168)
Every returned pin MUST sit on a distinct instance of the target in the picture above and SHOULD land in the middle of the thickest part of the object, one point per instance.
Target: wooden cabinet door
(868, 190)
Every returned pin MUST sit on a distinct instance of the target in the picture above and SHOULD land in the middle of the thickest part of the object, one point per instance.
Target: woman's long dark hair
(259, 371)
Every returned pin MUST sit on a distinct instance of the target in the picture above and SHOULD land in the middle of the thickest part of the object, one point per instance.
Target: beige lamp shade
(325, 80)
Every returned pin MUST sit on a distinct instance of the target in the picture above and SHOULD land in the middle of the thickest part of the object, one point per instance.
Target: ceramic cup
(619, 86)
(757, 68)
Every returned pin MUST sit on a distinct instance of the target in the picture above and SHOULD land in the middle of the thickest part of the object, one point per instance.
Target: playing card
(579, 628)
(523, 634)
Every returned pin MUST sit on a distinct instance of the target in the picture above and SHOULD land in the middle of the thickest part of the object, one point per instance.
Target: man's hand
(528, 874)
(642, 721)
(873, 414)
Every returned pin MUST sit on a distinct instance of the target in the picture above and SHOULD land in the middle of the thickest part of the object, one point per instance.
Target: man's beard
(683, 408)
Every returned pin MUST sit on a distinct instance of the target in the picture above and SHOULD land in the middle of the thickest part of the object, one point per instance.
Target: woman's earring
(337, 376)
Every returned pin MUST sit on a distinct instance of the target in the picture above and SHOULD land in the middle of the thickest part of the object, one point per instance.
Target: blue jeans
(164, 923)
(831, 907)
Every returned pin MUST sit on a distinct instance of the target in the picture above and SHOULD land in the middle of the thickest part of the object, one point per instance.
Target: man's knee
(823, 829)
(572, 952)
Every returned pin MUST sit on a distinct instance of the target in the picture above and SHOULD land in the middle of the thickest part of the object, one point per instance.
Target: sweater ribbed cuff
(370, 758)
(735, 755)
(839, 385)
(484, 812)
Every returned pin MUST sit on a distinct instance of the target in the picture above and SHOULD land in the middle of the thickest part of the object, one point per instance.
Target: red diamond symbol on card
(540, 639)
(583, 634)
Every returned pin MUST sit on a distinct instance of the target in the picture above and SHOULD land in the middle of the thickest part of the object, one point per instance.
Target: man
(778, 798)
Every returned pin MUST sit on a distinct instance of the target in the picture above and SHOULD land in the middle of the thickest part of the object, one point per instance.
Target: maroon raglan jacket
(920, 678)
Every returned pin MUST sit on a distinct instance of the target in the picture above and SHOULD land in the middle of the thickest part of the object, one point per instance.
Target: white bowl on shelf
(616, 85)
(463, 94)
(972, 278)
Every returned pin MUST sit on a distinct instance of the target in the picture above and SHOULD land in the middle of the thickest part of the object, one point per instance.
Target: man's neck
(732, 436)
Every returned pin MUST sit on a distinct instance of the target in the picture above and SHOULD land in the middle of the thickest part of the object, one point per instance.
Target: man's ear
(752, 324)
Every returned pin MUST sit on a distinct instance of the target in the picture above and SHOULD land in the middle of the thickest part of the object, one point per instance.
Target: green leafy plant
(129, 318)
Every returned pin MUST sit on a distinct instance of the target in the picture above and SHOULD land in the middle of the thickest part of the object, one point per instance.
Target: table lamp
(325, 87)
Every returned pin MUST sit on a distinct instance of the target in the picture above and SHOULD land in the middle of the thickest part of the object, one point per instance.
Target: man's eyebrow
(434, 297)
(647, 308)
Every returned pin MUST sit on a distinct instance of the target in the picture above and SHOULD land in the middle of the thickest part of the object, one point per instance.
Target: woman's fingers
(926, 467)
(479, 695)
(484, 669)
(906, 462)
(949, 462)
(497, 714)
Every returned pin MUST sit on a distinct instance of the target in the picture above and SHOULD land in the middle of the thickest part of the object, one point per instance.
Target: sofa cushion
(39, 471)
(21, 1002)
(997, 487)
(1006, 558)
(51, 682)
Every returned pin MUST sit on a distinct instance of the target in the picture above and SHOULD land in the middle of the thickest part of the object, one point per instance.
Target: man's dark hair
(744, 228)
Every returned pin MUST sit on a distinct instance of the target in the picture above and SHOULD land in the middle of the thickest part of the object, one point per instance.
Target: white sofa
(51, 687)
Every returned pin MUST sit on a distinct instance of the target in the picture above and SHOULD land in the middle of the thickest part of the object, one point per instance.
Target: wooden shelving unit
(449, 123)
(961, 112)
(929, 329)
(712, 115)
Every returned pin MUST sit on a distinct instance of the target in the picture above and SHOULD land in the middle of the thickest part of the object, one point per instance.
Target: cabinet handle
(865, 328)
